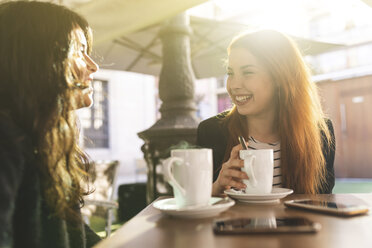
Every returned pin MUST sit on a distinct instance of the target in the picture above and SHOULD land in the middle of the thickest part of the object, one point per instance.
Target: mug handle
(167, 171)
(248, 163)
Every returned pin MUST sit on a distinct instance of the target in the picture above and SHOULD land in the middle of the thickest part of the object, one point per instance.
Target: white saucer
(169, 207)
(273, 197)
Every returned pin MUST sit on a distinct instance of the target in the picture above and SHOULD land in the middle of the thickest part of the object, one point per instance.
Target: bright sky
(292, 16)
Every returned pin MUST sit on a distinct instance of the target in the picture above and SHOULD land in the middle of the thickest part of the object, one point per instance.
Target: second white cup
(259, 166)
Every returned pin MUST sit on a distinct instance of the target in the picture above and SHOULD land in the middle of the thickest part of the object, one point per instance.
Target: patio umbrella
(368, 2)
(112, 18)
(140, 51)
(126, 35)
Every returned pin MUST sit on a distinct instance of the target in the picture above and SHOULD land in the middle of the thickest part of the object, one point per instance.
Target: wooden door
(348, 102)
(356, 131)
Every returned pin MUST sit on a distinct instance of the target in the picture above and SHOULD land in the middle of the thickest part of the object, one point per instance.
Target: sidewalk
(353, 185)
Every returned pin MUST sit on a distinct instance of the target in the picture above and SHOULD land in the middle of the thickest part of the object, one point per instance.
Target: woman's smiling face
(249, 84)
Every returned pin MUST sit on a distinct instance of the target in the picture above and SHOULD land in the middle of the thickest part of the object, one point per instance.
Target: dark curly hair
(35, 92)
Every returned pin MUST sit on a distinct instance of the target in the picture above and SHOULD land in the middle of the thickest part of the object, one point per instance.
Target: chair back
(104, 179)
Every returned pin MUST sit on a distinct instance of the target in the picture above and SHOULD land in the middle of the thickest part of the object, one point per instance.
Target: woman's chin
(88, 103)
(243, 111)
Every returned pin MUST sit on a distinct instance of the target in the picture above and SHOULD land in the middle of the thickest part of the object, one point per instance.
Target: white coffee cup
(259, 166)
(190, 173)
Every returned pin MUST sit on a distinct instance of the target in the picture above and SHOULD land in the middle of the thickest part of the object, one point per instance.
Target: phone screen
(264, 225)
(329, 207)
(327, 204)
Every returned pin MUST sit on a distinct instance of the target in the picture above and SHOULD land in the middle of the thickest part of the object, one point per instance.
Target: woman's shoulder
(9, 132)
(329, 124)
(12, 157)
(12, 140)
(214, 121)
(212, 131)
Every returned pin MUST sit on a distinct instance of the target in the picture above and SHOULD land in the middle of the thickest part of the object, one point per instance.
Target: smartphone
(330, 207)
(265, 225)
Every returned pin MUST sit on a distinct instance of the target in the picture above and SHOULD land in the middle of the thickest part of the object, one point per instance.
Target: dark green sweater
(25, 219)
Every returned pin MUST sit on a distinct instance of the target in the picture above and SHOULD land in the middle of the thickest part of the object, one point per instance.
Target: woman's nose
(92, 65)
(235, 82)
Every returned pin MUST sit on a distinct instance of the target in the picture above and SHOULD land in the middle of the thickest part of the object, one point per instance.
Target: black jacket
(25, 219)
(211, 134)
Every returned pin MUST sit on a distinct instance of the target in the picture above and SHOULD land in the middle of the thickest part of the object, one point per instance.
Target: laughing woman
(276, 106)
(45, 73)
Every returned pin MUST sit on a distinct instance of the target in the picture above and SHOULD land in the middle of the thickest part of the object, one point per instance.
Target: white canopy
(111, 19)
(126, 35)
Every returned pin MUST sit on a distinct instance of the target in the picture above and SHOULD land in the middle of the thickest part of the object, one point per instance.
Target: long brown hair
(36, 94)
(301, 121)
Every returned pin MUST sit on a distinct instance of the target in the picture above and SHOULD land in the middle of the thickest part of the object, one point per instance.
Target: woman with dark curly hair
(45, 74)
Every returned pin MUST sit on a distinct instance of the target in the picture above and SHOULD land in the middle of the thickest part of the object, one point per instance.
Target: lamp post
(178, 120)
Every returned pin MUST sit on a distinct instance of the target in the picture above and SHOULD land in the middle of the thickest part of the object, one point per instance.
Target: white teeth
(243, 98)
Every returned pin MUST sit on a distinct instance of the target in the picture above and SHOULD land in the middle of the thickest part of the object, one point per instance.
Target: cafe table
(152, 228)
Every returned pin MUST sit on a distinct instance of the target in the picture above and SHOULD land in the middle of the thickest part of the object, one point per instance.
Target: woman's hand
(230, 174)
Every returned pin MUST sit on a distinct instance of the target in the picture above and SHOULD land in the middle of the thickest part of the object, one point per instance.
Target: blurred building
(124, 104)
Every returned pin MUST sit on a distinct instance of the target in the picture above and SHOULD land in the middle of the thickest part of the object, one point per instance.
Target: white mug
(259, 166)
(190, 173)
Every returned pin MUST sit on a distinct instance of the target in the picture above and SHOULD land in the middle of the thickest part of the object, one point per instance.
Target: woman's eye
(247, 72)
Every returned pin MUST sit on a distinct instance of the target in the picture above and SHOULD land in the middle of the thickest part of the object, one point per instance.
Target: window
(223, 102)
(221, 82)
(94, 120)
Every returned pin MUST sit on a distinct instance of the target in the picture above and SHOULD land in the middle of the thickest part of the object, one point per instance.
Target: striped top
(257, 145)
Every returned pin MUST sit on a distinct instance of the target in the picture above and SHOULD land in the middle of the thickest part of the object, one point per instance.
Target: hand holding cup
(230, 174)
